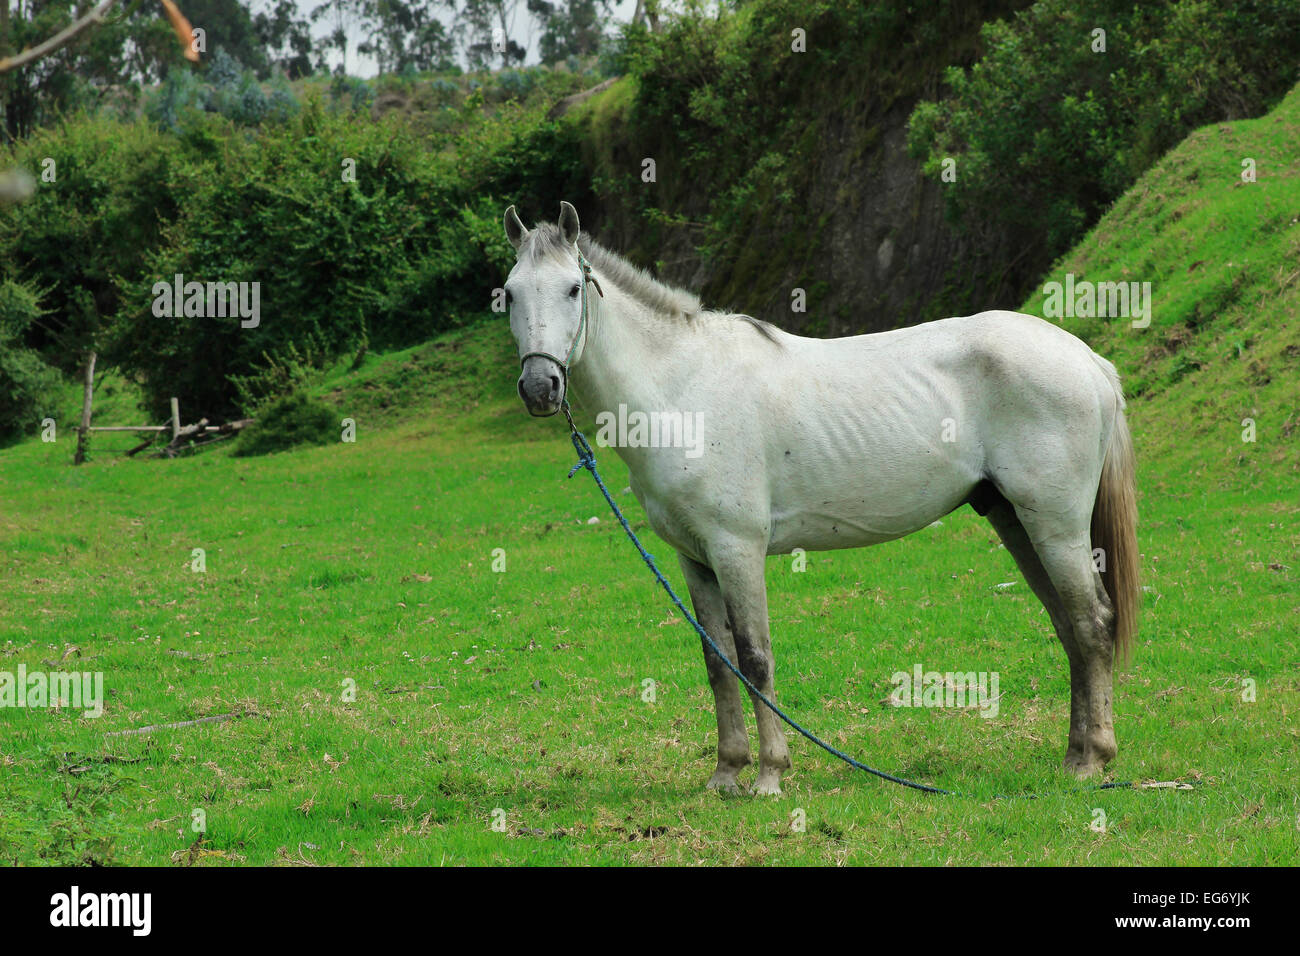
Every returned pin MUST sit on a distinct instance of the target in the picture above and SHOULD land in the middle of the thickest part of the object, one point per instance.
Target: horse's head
(546, 296)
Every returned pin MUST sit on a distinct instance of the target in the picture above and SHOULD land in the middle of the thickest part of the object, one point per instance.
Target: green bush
(29, 388)
(287, 423)
(1046, 131)
(29, 391)
(112, 187)
(225, 87)
(355, 229)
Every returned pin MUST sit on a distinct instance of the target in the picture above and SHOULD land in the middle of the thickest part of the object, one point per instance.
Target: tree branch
(179, 24)
(62, 38)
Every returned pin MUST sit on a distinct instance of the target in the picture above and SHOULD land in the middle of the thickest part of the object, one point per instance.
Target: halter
(581, 333)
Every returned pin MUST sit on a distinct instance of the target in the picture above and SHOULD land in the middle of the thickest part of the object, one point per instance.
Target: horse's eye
(573, 293)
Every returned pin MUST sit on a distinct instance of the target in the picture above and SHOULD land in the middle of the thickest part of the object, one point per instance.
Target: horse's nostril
(520, 386)
(555, 386)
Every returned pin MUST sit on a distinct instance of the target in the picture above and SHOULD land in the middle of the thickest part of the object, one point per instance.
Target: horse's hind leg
(1064, 547)
(711, 612)
(1003, 518)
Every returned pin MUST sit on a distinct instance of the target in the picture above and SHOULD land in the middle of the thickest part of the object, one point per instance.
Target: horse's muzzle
(541, 386)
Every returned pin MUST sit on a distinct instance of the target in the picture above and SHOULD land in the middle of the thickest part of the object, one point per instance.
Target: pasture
(521, 692)
(420, 649)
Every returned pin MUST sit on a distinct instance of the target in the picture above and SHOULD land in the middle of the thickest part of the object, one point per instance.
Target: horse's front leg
(733, 741)
(744, 592)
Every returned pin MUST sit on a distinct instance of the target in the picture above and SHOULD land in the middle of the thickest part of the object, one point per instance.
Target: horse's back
(991, 358)
(883, 433)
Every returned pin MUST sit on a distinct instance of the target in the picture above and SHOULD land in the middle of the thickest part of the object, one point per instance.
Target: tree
(431, 46)
(79, 60)
(574, 28)
(229, 25)
(406, 35)
(486, 27)
(287, 39)
(1059, 117)
(342, 16)
(647, 11)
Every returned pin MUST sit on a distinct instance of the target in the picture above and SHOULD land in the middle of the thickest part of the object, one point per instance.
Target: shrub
(226, 87)
(287, 423)
(28, 386)
(116, 185)
(406, 245)
(1047, 131)
(29, 391)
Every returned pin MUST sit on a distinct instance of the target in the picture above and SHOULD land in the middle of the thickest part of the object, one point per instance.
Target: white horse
(841, 443)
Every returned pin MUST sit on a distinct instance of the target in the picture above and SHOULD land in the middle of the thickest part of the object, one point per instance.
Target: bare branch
(62, 38)
(179, 24)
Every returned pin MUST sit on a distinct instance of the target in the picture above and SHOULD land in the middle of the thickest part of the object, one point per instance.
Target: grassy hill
(1223, 257)
(518, 695)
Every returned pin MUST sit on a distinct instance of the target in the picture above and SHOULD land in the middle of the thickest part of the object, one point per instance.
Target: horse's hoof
(724, 783)
(1082, 766)
(1090, 758)
(768, 785)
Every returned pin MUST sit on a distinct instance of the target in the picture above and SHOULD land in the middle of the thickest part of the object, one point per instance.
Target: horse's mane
(547, 240)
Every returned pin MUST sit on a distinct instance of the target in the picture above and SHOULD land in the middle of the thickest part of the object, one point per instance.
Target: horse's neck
(625, 345)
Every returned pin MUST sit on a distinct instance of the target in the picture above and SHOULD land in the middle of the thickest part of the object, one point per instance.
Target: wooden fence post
(176, 417)
(83, 433)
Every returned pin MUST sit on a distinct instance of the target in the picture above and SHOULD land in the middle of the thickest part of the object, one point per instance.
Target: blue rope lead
(587, 459)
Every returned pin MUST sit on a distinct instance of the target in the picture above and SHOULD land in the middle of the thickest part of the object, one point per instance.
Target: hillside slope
(1223, 259)
(780, 170)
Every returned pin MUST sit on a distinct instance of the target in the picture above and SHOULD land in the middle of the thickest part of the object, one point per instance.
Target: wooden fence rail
(180, 433)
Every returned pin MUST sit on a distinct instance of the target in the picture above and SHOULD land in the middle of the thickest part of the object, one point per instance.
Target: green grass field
(516, 698)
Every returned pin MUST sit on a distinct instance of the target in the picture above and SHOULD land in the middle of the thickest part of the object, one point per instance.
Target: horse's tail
(1114, 523)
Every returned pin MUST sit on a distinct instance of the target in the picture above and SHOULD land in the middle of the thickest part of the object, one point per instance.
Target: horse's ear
(569, 223)
(515, 230)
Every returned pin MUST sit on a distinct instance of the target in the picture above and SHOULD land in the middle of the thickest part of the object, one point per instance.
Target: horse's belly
(835, 525)
(828, 507)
